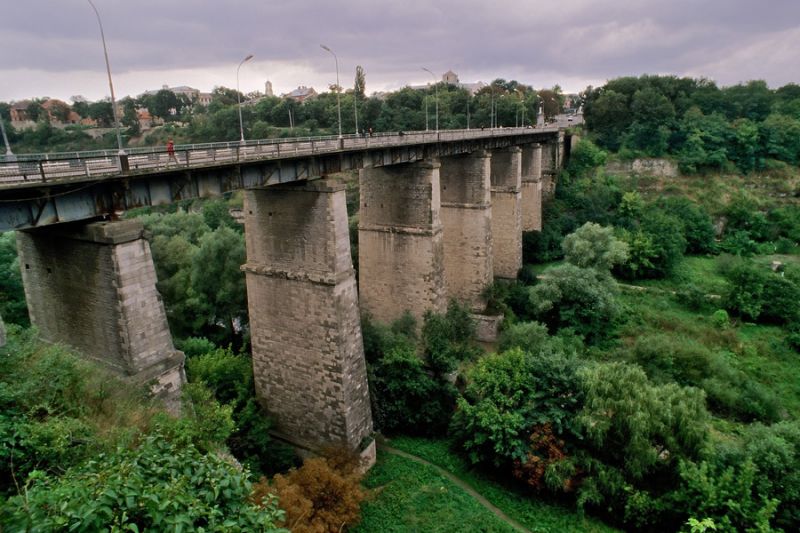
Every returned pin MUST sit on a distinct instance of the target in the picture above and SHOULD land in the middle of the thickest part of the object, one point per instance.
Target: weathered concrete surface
(660, 168)
(467, 227)
(531, 187)
(308, 354)
(487, 327)
(94, 288)
(400, 245)
(506, 177)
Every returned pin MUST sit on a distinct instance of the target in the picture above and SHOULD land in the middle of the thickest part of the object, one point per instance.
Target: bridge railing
(98, 164)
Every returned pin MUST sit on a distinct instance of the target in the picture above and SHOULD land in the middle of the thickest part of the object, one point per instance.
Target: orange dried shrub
(322, 496)
(545, 449)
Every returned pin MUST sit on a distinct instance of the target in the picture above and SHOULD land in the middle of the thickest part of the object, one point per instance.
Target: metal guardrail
(99, 164)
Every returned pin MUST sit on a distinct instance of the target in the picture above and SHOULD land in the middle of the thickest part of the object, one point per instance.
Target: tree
(216, 278)
(585, 158)
(637, 434)
(580, 298)
(593, 246)
(510, 393)
(360, 86)
(102, 112)
(12, 295)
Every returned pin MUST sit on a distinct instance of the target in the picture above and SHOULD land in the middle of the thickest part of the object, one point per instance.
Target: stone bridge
(441, 215)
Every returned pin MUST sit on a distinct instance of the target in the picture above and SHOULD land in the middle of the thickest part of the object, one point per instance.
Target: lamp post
(338, 87)
(436, 95)
(9, 154)
(110, 86)
(239, 95)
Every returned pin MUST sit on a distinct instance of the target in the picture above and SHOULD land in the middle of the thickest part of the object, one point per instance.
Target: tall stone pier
(550, 167)
(400, 245)
(532, 187)
(308, 354)
(93, 287)
(506, 178)
(467, 225)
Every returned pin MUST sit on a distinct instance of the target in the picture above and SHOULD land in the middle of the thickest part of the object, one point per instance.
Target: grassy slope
(422, 502)
(406, 497)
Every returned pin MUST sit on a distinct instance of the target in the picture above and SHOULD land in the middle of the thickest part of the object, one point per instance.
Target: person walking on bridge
(171, 152)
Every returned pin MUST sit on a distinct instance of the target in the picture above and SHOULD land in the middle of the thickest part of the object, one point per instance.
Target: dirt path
(460, 483)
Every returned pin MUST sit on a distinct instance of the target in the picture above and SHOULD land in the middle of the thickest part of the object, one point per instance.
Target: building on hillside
(56, 112)
(301, 94)
(183, 90)
(451, 78)
(268, 89)
(204, 98)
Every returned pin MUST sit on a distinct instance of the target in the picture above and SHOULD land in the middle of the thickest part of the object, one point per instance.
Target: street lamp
(239, 95)
(338, 88)
(110, 84)
(436, 95)
(9, 154)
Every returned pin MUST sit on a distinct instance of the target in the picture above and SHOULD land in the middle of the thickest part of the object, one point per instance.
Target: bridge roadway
(43, 189)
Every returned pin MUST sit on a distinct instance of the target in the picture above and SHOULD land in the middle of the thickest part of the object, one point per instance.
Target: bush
(406, 397)
(323, 495)
(656, 245)
(448, 339)
(507, 395)
(159, 486)
(230, 378)
(698, 228)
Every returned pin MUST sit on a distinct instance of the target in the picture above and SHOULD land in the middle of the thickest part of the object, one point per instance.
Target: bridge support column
(400, 245)
(467, 227)
(308, 354)
(550, 167)
(532, 187)
(94, 288)
(506, 213)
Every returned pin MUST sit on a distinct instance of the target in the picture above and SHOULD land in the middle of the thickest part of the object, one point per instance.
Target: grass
(410, 497)
(533, 513)
(760, 351)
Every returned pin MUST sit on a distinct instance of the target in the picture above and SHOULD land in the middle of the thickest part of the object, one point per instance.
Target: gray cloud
(579, 41)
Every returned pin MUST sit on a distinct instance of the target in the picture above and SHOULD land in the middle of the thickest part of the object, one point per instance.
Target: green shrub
(159, 486)
(593, 246)
(194, 346)
(509, 393)
(406, 397)
(229, 377)
(448, 339)
(720, 319)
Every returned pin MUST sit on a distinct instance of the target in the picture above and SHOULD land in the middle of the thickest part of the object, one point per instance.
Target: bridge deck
(28, 170)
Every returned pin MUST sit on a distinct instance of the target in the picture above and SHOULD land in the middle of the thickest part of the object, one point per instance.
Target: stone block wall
(531, 187)
(94, 288)
(308, 355)
(400, 243)
(506, 179)
(466, 215)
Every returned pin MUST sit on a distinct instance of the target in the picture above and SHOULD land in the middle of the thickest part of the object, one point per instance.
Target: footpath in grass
(409, 497)
(533, 514)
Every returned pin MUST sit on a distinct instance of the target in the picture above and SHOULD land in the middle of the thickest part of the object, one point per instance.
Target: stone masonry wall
(308, 355)
(506, 181)
(531, 187)
(94, 288)
(466, 215)
(400, 244)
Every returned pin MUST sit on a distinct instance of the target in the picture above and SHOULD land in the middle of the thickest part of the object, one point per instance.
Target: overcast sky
(53, 48)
